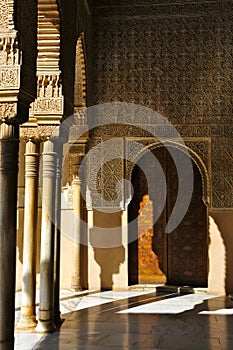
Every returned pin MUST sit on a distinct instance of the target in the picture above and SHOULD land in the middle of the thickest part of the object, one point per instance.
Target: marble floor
(137, 319)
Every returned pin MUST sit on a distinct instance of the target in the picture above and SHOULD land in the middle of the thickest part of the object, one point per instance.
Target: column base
(45, 327)
(76, 284)
(76, 288)
(57, 320)
(26, 322)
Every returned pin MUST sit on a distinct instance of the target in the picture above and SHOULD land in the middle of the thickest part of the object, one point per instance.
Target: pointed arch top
(195, 158)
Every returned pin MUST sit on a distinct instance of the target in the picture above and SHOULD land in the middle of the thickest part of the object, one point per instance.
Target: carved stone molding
(9, 77)
(222, 172)
(9, 73)
(6, 15)
(80, 75)
(130, 10)
(48, 34)
(8, 110)
(49, 105)
(37, 133)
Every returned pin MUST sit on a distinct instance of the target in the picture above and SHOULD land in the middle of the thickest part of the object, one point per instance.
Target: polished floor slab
(138, 320)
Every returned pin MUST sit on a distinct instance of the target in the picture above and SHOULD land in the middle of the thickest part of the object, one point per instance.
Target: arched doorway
(177, 258)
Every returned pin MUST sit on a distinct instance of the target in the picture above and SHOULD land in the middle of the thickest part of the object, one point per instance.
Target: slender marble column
(45, 322)
(9, 144)
(57, 240)
(27, 317)
(76, 266)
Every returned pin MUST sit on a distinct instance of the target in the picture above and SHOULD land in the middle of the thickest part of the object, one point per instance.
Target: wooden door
(187, 245)
(182, 254)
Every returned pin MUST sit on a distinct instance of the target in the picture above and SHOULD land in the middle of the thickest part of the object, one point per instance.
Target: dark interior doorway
(180, 257)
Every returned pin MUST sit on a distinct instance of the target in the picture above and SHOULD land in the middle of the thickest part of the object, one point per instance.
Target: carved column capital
(49, 160)
(32, 159)
(9, 143)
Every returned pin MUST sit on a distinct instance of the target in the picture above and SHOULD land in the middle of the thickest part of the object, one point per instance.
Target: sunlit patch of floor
(174, 305)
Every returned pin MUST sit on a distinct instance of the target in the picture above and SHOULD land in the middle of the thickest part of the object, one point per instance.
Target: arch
(176, 246)
(80, 84)
(193, 155)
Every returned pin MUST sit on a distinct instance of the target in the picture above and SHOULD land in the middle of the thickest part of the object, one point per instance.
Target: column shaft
(45, 322)
(57, 239)
(76, 265)
(27, 317)
(8, 208)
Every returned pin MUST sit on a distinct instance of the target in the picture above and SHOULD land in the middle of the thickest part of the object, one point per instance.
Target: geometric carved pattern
(9, 77)
(9, 62)
(7, 16)
(178, 66)
(222, 173)
(176, 58)
(4, 14)
(8, 110)
(105, 171)
(80, 75)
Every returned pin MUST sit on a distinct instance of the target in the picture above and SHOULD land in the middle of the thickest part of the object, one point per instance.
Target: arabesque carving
(9, 73)
(48, 107)
(8, 110)
(7, 8)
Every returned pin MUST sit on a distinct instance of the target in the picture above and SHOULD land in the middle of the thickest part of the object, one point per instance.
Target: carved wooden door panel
(187, 249)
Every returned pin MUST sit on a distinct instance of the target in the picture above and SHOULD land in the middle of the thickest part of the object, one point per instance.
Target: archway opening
(177, 258)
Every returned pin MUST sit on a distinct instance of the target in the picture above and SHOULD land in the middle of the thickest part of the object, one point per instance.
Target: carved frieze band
(163, 131)
(37, 133)
(166, 9)
(48, 106)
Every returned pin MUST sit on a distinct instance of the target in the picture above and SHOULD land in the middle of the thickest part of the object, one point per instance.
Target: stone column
(77, 208)
(9, 144)
(49, 158)
(57, 240)
(27, 317)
